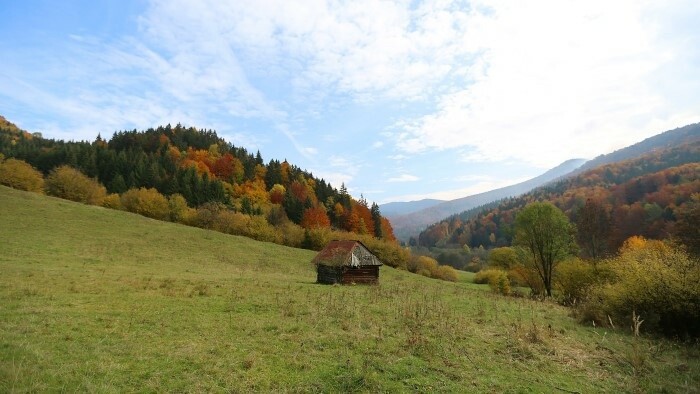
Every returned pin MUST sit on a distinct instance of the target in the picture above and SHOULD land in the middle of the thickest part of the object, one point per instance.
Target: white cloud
(574, 83)
(404, 178)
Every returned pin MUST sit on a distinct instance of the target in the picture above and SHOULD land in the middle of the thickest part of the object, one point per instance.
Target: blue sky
(400, 100)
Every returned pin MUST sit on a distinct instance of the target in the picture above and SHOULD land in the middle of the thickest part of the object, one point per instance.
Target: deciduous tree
(547, 237)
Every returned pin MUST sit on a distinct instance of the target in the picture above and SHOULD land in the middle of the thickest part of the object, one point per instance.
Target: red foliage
(315, 217)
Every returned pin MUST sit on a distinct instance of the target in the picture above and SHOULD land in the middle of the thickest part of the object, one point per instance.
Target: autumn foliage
(644, 196)
(20, 175)
(71, 184)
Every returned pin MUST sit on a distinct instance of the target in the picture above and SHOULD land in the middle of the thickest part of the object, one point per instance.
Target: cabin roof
(346, 253)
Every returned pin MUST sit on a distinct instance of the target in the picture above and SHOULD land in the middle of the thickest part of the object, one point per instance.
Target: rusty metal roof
(344, 253)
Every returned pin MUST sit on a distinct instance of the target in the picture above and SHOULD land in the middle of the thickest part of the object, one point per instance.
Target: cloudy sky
(400, 100)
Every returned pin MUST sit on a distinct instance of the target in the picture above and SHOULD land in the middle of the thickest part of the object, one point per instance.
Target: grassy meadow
(98, 300)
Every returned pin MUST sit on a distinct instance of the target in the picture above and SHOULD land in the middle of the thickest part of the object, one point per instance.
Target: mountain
(411, 224)
(646, 195)
(665, 140)
(405, 207)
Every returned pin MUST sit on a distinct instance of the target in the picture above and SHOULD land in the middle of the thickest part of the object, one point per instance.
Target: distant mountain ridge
(667, 139)
(408, 225)
(406, 207)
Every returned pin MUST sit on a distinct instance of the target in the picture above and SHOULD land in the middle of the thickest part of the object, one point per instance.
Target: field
(99, 300)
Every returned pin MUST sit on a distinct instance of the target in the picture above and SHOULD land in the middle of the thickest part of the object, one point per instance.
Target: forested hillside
(642, 196)
(205, 170)
(411, 224)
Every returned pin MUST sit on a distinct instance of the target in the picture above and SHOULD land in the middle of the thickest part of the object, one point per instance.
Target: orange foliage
(228, 168)
(254, 190)
(199, 166)
(315, 217)
(387, 230)
(277, 194)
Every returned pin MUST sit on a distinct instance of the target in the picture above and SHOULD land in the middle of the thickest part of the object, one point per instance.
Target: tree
(546, 236)
(377, 219)
(504, 258)
(686, 228)
(593, 225)
(315, 218)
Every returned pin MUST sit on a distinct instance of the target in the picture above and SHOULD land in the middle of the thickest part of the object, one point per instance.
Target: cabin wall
(329, 275)
(363, 274)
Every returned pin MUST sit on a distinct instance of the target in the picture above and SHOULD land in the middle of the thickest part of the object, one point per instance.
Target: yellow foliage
(653, 279)
(71, 184)
(146, 202)
(113, 201)
(20, 175)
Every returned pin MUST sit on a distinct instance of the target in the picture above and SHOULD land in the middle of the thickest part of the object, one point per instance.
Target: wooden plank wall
(366, 274)
(329, 275)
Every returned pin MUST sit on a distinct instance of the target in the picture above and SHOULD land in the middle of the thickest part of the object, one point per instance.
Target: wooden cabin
(346, 262)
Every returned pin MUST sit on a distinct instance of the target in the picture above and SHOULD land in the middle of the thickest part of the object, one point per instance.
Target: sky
(398, 100)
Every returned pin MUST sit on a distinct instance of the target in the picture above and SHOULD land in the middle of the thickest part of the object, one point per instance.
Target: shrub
(316, 239)
(113, 201)
(529, 278)
(656, 280)
(429, 267)
(484, 276)
(177, 205)
(573, 280)
(289, 234)
(146, 202)
(388, 252)
(497, 280)
(20, 175)
(71, 184)
(504, 258)
(499, 283)
(446, 272)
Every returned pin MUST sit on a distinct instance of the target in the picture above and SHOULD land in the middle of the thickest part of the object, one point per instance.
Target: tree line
(203, 169)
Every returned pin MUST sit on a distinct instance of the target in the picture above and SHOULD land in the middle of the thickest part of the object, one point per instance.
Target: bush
(429, 267)
(656, 280)
(527, 277)
(289, 234)
(446, 272)
(573, 279)
(113, 201)
(484, 276)
(71, 184)
(500, 283)
(388, 252)
(146, 202)
(504, 258)
(316, 239)
(497, 280)
(19, 175)
(177, 205)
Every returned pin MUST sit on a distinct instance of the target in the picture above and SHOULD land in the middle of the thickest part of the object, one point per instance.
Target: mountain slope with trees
(206, 171)
(610, 203)
(410, 225)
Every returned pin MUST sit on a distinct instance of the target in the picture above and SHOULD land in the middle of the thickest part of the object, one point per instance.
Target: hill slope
(641, 196)
(665, 140)
(99, 300)
(410, 225)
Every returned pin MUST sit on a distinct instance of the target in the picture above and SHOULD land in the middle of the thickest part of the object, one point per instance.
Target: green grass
(99, 300)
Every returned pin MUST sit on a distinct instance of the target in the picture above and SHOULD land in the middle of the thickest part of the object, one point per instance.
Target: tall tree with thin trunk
(593, 224)
(547, 237)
